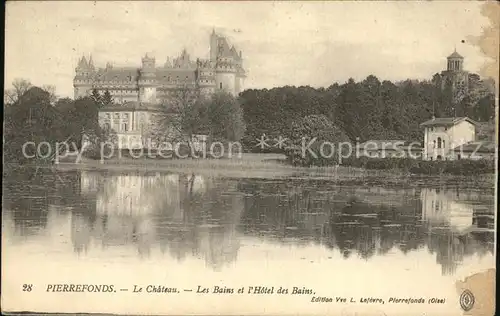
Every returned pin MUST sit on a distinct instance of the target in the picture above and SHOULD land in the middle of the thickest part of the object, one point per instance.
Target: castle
(151, 84)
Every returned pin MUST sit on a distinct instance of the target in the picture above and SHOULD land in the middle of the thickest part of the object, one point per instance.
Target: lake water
(187, 231)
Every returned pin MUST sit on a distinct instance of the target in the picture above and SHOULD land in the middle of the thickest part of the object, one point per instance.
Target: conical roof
(455, 55)
(83, 63)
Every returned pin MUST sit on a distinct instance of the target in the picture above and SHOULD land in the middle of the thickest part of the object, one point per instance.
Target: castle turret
(205, 76)
(226, 66)
(147, 80)
(91, 64)
(83, 80)
(213, 46)
(82, 66)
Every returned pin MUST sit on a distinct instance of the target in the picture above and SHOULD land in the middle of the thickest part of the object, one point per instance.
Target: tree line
(355, 111)
(364, 110)
(33, 114)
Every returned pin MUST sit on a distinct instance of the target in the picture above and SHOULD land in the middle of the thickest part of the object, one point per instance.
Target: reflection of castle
(189, 217)
(138, 194)
(180, 213)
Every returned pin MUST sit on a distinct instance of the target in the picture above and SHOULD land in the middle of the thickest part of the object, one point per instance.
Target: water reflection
(187, 215)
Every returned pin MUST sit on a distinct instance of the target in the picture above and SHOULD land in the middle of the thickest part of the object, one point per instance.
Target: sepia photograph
(250, 158)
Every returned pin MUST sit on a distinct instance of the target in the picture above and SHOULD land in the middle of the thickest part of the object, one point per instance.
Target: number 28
(27, 287)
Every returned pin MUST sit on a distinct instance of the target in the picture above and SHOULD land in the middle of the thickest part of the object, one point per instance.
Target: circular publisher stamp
(466, 300)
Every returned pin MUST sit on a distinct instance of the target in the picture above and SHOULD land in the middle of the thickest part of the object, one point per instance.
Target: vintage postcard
(250, 158)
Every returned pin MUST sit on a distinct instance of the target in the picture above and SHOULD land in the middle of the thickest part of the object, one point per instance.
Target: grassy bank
(273, 166)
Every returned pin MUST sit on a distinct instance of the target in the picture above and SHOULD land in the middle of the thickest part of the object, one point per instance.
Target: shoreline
(267, 167)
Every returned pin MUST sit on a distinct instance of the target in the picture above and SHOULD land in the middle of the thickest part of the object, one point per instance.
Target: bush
(454, 167)
(304, 131)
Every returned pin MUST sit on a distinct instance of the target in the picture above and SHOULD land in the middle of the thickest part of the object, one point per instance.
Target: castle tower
(82, 82)
(226, 64)
(205, 77)
(455, 77)
(147, 80)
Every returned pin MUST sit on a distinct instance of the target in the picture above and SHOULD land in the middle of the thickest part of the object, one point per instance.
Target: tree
(106, 99)
(51, 89)
(348, 112)
(271, 112)
(81, 119)
(314, 140)
(19, 87)
(32, 119)
(225, 117)
(484, 110)
(86, 113)
(64, 104)
(96, 96)
(99, 136)
(179, 119)
(185, 113)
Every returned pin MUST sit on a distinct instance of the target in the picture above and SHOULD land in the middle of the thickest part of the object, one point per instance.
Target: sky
(283, 43)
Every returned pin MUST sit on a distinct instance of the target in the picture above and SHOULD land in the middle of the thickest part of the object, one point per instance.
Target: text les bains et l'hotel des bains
(248, 290)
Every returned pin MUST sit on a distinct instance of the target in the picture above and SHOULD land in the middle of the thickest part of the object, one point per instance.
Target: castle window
(125, 127)
(433, 144)
(220, 85)
(439, 142)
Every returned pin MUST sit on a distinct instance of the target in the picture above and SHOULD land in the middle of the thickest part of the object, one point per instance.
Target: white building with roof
(442, 135)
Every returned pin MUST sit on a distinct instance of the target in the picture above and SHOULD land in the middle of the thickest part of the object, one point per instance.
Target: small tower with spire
(91, 63)
(82, 67)
(213, 45)
(147, 80)
(455, 61)
(455, 77)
